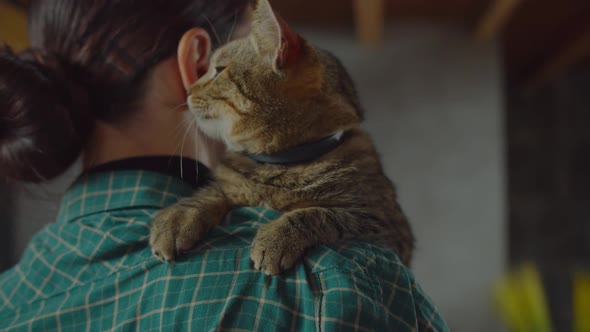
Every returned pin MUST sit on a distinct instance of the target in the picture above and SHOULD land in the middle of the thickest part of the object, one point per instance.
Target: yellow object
(534, 295)
(13, 26)
(522, 300)
(510, 304)
(582, 302)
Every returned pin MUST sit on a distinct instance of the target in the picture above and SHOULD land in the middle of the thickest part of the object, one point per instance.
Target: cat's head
(272, 90)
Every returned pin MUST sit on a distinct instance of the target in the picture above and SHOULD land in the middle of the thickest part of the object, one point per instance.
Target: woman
(107, 81)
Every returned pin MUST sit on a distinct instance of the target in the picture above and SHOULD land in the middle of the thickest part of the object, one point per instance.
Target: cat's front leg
(281, 243)
(180, 227)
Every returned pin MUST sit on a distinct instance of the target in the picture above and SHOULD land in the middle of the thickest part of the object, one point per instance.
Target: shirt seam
(363, 276)
(108, 210)
(320, 301)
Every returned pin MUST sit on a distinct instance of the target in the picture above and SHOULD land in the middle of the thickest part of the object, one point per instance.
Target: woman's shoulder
(335, 286)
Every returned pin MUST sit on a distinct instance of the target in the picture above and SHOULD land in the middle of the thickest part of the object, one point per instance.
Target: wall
(435, 110)
(549, 163)
(13, 30)
(35, 205)
(7, 216)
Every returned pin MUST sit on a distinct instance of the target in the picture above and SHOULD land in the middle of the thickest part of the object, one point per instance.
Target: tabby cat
(290, 118)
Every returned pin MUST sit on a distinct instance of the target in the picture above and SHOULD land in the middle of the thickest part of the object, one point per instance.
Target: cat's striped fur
(267, 93)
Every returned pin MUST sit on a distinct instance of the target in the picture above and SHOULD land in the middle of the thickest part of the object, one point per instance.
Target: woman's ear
(194, 50)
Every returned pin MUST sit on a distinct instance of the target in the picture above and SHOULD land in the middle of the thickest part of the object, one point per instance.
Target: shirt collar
(107, 191)
(185, 169)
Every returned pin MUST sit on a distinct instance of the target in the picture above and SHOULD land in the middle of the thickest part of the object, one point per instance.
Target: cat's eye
(220, 69)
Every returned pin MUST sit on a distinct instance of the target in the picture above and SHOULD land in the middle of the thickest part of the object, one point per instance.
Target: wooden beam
(496, 18)
(370, 21)
(570, 55)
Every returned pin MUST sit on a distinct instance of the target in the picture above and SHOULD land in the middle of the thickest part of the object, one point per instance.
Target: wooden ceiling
(331, 12)
(539, 37)
(545, 37)
(340, 11)
(19, 3)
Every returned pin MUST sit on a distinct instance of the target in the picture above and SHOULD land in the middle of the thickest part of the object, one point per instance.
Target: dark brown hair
(88, 61)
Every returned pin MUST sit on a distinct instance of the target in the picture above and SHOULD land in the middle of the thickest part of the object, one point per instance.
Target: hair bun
(45, 117)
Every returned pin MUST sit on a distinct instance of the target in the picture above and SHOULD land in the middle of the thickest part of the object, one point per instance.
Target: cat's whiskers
(212, 28)
(231, 31)
(197, 137)
(196, 146)
(182, 126)
(180, 106)
(193, 125)
(189, 125)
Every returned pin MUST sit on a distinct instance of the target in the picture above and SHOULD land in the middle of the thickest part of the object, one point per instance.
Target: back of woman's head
(89, 61)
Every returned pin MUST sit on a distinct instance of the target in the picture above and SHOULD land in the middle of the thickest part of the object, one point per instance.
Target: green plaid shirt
(92, 270)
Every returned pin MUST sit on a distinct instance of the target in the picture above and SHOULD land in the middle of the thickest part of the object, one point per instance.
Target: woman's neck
(149, 138)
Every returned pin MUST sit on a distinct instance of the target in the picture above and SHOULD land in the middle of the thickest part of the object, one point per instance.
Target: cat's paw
(276, 248)
(174, 231)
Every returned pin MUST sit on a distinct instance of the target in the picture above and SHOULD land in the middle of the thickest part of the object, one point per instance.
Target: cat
(290, 118)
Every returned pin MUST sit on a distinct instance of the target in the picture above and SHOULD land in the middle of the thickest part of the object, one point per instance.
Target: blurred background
(480, 109)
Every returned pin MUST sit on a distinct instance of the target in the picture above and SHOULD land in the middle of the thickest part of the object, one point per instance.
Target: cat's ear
(290, 49)
(273, 38)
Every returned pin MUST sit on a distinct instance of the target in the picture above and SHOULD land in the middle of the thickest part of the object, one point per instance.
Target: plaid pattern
(93, 271)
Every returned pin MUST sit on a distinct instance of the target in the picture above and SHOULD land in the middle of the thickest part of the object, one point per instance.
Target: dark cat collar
(302, 153)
